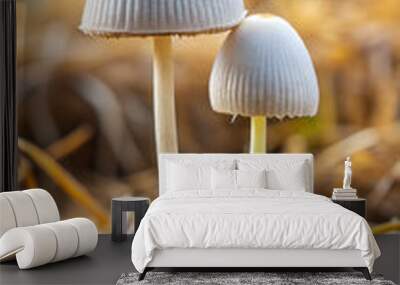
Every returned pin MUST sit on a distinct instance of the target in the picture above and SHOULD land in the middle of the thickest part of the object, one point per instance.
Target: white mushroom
(161, 19)
(262, 71)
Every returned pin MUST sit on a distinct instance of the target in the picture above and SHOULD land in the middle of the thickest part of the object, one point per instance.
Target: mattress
(250, 219)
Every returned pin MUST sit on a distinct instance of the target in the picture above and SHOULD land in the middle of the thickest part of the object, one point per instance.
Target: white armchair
(31, 232)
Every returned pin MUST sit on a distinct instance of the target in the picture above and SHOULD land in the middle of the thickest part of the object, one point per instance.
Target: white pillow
(290, 175)
(251, 178)
(223, 179)
(293, 180)
(237, 179)
(193, 174)
(188, 177)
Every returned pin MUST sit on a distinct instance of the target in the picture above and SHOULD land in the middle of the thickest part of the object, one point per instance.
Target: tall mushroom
(262, 71)
(161, 19)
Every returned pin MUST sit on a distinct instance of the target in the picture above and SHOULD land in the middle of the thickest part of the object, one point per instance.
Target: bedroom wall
(86, 103)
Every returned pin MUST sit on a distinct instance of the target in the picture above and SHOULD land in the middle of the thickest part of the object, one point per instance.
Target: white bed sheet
(252, 218)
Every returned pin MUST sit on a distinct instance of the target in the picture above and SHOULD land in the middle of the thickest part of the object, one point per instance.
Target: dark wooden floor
(103, 266)
(106, 264)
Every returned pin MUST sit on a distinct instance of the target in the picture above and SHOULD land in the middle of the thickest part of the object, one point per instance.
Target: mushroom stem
(163, 96)
(258, 135)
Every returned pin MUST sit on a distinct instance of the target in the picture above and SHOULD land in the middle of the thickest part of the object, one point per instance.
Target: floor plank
(110, 259)
(103, 266)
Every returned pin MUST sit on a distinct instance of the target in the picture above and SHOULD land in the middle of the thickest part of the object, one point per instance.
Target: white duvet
(250, 219)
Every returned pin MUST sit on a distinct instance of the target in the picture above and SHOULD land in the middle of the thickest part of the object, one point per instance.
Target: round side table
(119, 207)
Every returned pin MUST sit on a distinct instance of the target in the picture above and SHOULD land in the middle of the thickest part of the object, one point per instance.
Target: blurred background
(85, 110)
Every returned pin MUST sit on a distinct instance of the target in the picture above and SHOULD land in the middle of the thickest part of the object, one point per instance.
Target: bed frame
(242, 259)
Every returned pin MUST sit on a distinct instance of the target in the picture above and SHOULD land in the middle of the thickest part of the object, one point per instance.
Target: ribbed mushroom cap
(160, 17)
(264, 69)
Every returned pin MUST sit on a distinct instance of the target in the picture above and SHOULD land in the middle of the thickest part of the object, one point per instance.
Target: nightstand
(119, 207)
(358, 205)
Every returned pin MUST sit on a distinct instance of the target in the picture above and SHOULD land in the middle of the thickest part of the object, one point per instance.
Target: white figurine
(347, 174)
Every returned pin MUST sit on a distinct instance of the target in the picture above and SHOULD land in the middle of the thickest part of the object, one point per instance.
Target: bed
(247, 210)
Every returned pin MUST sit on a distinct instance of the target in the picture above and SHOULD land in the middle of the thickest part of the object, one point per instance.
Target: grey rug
(269, 278)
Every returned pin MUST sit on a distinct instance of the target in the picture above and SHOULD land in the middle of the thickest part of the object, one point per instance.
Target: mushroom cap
(264, 69)
(114, 18)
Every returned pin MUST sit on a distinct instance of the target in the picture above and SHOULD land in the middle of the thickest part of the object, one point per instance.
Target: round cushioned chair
(31, 230)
